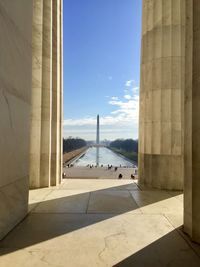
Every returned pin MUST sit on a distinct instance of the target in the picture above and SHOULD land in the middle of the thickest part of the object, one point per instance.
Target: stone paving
(98, 173)
(98, 222)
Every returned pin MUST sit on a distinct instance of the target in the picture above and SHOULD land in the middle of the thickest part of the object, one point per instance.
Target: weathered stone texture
(15, 98)
(46, 118)
(192, 122)
(161, 94)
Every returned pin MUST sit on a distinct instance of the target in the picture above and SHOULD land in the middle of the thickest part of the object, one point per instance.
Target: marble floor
(88, 223)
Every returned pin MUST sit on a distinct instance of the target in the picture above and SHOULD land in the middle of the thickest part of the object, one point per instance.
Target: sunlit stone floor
(98, 173)
(100, 223)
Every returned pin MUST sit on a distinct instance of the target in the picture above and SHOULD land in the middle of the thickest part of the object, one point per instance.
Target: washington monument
(97, 140)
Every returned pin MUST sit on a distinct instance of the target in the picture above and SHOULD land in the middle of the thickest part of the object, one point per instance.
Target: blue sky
(101, 67)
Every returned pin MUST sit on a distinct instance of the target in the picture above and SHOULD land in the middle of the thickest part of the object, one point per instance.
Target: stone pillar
(35, 145)
(192, 122)
(45, 157)
(61, 90)
(15, 107)
(56, 95)
(161, 94)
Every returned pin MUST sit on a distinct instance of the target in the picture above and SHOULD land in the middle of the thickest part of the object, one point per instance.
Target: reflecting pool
(102, 156)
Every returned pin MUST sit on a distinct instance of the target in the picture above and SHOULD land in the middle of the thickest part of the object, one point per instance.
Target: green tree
(71, 144)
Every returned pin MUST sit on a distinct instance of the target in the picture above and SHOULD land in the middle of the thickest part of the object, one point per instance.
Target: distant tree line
(127, 148)
(71, 144)
(128, 145)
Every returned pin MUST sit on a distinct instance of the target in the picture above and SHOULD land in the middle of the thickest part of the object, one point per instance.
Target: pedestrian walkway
(89, 223)
(99, 173)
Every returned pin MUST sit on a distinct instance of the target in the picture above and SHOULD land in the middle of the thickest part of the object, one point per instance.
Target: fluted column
(56, 95)
(161, 94)
(192, 122)
(36, 107)
(45, 160)
(46, 134)
(61, 90)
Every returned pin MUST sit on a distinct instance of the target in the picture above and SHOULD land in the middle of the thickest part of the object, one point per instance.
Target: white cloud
(121, 119)
(129, 83)
(124, 117)
(80, 122)
(135, 89)
(128, 97)
(127, 111)
(114, 97)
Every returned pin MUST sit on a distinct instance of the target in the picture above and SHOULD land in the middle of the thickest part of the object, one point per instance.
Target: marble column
(46, 134)
(45, 157)
(61, 90)
(15, 107)
(35, 145)
(56, 95)
(161, 94)
(192, 122)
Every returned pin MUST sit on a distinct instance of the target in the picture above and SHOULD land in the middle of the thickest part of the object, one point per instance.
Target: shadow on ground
(61, 215)
(163, 252)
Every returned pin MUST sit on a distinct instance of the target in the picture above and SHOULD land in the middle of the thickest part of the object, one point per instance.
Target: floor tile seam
(138, 188)
(55, 213)
(158, 200)
(35, 206)
(110, 215)
(134, 201)
(38, 203)
(134, 190)
(113, 213)
(139, 207)
(83, 213)
(171, 196)
(181, 234)
(156, 213)
(88, 203)
(102, 213)
(31, 210)
(110, 190)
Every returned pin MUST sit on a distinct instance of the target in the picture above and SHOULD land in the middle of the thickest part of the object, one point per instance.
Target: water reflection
(102, 156)
(97, 156)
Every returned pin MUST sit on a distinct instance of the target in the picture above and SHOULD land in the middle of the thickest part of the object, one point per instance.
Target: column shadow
(170, 250)
(55, 217)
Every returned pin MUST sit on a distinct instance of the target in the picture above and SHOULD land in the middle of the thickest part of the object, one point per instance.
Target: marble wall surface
(15, 103)
(161, 94)
(30, 103)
